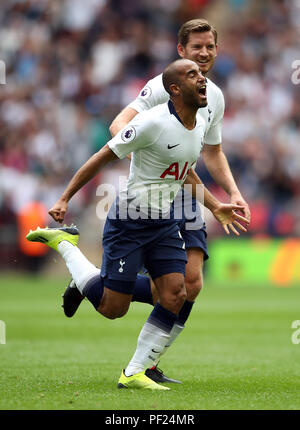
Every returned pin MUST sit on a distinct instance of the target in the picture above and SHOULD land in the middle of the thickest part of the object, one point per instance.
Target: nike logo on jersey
(172, 146)
(155, 352)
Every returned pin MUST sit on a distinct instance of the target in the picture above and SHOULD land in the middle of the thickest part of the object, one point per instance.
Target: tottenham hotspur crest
(122, 262)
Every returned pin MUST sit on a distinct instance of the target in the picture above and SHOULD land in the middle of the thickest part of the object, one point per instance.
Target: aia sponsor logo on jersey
(173, 170)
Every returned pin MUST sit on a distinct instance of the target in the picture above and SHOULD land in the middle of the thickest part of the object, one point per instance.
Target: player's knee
(182, 294)
(154, 293)
(113, 312)
(177, 295)
(193, 285)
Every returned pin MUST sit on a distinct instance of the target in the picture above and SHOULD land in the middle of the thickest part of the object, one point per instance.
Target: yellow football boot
(139, 380)
(53, 236)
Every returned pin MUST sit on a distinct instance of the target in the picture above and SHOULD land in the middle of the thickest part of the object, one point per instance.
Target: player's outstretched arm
(216, 162)
(122, 119)
(81, 177)
(224, 213)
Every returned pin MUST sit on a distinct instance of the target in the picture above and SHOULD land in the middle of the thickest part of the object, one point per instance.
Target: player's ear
(175, 90)
(180, 50)
(216, 51)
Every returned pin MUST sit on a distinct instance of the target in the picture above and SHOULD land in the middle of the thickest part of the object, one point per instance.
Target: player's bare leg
(113, 304)
(193, 276)
(171, 291)
(115, 307)
(194, 273)
(193, 283)
(156, 331)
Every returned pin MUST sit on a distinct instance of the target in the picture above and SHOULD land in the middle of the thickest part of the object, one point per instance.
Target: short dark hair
(171, 74)
(198, 25)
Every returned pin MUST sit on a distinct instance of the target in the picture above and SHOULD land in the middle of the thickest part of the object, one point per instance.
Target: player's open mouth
(203, 63)
(202, 91)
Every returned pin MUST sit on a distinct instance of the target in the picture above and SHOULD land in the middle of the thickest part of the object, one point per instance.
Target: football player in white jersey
(197, 41)
(129, 243)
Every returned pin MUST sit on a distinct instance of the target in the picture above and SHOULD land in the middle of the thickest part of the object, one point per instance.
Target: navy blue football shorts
(130, 245)
(187, 212)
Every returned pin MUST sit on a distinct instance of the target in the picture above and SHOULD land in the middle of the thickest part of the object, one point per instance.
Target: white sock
(81, 269)
(175, 332)
(151, 343)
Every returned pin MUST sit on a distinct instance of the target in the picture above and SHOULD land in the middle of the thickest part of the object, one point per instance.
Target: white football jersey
(163, 152)
(154, 93)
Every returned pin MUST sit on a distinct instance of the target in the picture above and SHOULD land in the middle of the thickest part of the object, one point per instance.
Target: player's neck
(187, 114)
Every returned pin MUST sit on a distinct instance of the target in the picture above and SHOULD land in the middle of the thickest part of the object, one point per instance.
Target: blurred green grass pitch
(235, 353)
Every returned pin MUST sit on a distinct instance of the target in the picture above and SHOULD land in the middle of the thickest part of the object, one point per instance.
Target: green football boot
(53, 236)
(139, 380)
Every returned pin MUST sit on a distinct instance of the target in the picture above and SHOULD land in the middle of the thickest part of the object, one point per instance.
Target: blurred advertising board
(257, 262)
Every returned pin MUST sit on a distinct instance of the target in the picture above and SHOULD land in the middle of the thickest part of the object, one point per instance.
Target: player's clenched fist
(59, 210)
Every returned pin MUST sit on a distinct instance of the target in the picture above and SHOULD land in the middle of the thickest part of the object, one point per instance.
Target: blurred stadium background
(72, 65)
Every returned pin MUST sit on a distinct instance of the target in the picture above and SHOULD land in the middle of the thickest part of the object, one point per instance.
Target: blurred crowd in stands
(72, 65)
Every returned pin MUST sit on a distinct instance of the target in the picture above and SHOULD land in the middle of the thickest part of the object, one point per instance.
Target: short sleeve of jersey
(213, 135)
(151, 95)
(138, 134)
